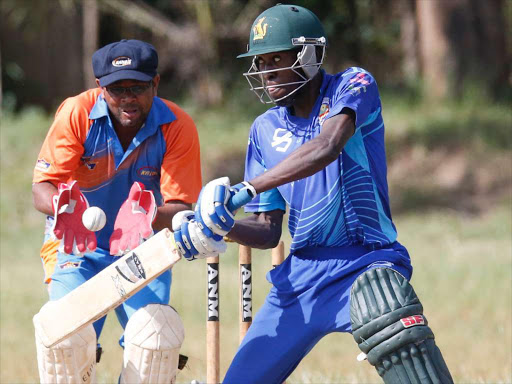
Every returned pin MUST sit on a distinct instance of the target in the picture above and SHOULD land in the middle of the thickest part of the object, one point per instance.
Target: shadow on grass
(463, 198)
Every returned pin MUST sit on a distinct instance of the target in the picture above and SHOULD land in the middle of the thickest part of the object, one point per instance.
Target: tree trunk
(436, 60)
(409, 40)
(483, 57)
(208, 90)
(463, 47)
(90, 33)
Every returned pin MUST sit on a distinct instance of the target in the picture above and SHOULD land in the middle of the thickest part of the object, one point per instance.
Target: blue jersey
(347, 202)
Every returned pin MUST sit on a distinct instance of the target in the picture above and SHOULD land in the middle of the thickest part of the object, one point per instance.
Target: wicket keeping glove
(191, 241)
(134, 221)
(69, 204)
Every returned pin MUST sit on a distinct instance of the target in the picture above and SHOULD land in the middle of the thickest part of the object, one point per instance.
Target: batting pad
(153, 338)
(389, 327)
(73, 360)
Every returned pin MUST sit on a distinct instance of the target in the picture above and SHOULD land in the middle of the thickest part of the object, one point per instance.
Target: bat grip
(239, 199)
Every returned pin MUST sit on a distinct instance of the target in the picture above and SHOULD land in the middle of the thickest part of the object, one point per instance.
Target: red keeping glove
(134, 221)
(68, 206)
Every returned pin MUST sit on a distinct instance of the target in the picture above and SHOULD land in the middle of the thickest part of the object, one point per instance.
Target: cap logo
(122, 61)
(259, 30)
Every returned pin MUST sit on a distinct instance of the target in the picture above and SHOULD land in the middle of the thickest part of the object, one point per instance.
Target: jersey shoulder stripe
(77, 110)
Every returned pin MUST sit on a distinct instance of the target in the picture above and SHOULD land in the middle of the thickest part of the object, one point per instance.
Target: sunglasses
(134, 90)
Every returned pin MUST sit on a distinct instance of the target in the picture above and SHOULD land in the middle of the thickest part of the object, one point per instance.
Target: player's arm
(260, 230)
(42, 194)
(311, 157)
(305, 161)
(166, 212)
(181, 180)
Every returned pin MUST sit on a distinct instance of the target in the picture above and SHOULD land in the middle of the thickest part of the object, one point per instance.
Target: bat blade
(108, 289)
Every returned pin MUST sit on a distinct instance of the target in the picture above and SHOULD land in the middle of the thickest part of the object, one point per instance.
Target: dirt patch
(457, 178)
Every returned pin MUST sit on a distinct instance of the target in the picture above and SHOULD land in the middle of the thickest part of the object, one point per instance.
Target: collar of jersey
(158, 115)
(325, 81)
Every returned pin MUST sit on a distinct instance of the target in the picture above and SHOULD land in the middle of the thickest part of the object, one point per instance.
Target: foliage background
(449, 153)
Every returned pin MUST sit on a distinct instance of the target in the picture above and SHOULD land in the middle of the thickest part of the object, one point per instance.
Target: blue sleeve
(357, 90)
(255, 166)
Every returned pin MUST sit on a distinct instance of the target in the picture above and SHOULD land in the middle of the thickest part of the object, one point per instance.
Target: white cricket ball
(94, 219)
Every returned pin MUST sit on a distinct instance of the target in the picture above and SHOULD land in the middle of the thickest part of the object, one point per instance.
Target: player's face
(130, 101)
(275, 63)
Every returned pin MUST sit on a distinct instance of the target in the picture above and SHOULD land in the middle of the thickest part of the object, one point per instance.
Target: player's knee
(389, 327)
(71, 360)
(153, 335)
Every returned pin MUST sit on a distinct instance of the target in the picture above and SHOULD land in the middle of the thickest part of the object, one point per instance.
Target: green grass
(463, 274)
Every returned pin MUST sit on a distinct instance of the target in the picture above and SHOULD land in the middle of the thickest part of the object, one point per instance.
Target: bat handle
(239, 199)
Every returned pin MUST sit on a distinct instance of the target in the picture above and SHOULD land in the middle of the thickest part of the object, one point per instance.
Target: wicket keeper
(123, 149)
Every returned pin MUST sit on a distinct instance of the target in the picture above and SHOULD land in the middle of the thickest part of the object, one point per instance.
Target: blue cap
(125, 60)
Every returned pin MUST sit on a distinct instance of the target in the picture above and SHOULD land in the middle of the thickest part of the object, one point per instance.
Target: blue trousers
(310, 298)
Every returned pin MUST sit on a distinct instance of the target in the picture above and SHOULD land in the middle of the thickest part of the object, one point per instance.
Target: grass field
(463, 275)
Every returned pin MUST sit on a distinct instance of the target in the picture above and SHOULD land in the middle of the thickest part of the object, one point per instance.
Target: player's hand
(212, 214)
(69, 204)
(134, 221)
(191, 241)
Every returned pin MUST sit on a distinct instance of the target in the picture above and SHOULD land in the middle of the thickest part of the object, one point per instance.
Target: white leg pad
(73, 360)
(152, 341)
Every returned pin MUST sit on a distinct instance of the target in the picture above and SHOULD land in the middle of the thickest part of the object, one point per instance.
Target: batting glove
(212, 212)
(191, 241)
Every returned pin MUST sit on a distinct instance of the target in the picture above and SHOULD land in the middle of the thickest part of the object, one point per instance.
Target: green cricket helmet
(283, 28)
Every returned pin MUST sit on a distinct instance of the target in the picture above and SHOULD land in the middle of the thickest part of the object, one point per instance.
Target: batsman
(121, 148)
(318, 152)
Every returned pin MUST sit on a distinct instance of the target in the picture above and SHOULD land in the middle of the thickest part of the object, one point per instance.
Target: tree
(42, 51)
(409, 40)
(90, 35)
(462, 46)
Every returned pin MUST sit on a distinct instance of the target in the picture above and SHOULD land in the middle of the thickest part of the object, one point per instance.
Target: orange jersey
(82, 145)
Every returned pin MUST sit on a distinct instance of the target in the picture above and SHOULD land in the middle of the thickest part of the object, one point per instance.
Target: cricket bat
(90, 301)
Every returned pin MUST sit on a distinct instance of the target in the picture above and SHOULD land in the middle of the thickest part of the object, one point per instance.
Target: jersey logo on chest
(324, 110)
(147, 171)
(282, 140)
(88, 163)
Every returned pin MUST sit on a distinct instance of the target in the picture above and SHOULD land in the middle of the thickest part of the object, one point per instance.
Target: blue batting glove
(197, 216)
(212, 210)
(180, 223)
